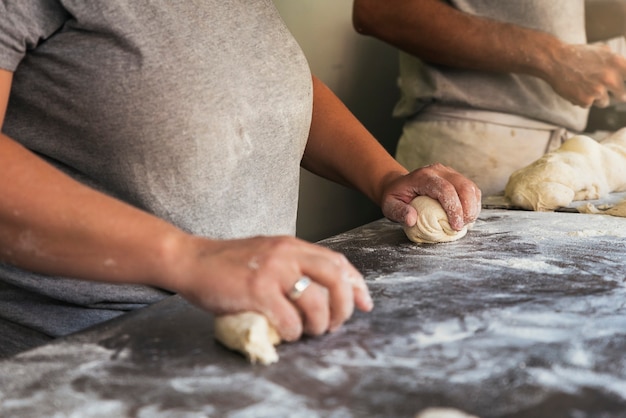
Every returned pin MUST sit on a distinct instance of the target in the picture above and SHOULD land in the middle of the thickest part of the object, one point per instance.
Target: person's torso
(195, 111)
(422, 83)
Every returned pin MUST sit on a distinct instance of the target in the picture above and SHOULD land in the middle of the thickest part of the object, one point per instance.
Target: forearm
(424, 28)
(342, 150)
(6, 78)
(51, 224)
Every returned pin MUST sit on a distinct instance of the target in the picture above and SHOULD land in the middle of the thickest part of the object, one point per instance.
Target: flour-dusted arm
(437, 33)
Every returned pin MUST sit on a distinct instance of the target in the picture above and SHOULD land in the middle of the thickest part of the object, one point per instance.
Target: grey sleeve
(24, 24)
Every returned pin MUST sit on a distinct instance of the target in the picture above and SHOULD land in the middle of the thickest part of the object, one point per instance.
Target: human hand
(588, 75)
(458, 196)
(256, 274)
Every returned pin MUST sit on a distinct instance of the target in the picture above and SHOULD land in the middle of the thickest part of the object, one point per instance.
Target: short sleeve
(24, 24)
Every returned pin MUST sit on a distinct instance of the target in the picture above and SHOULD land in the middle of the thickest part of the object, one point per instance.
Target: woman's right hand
(256, 274)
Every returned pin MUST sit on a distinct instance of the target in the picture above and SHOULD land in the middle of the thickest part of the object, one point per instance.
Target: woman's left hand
(458, 196)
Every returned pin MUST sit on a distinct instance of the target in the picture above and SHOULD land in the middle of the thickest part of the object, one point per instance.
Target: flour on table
(432, 224)
(581, 169)
(443, 413)
(251, 334)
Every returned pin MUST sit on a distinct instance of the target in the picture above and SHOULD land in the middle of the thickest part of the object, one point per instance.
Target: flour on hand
(432, 224)
(581, 169)
(251, 334)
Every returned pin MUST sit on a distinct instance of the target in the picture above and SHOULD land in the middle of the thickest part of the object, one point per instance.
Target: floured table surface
(524, 317)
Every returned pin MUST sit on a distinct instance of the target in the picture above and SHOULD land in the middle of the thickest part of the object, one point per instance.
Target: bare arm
(335, 136)
(6, 78)
(438, 33)
(52, 224)
(342, 150)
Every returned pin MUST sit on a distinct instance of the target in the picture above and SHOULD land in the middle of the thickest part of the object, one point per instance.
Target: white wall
(362, 71)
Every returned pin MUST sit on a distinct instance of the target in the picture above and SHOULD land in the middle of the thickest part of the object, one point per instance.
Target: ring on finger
(298, 288)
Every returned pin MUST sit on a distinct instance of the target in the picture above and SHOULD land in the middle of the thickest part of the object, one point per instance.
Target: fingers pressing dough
(432, 224)
(251, 334)
(581, 169)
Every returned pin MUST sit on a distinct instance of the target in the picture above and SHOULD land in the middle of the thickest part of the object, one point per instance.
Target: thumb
(398, 211)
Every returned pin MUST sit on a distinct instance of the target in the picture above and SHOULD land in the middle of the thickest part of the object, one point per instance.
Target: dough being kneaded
(249, 333)
(432, 224)
(581, 169)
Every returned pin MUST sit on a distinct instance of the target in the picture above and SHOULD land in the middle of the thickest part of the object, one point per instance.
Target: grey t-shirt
(197, 112)
(422, 83)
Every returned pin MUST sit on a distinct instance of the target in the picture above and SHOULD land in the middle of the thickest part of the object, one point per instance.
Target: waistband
(444, 112)
(556, 135)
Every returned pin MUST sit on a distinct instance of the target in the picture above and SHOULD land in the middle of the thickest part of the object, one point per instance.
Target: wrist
(172, 253)
(384, 183)
(544, 61)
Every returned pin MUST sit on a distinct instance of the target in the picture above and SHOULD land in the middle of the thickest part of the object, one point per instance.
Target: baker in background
(154, 147)
(487, 87)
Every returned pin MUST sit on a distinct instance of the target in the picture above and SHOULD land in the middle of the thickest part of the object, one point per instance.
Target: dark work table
(523, 317)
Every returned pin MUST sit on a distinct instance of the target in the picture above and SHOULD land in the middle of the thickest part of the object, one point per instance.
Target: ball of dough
(432, 224)
(249, 333)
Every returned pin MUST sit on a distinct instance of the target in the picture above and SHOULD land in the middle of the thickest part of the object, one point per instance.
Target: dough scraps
(249, 333)
(581, 169)
(432, 224)
(618, 209)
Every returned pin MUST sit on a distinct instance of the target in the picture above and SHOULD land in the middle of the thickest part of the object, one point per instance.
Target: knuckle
(585, 101)
(281, 243)
(340, 285)
(258, 287)
(333, 265)
(448, 189)
(598, 90)
(437, 167)
(276, 251)
(339, 260)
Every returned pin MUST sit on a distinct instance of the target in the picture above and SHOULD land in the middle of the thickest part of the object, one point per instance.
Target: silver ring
(298, 288)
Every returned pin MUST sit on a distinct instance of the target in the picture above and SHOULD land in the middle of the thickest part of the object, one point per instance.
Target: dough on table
(618, 209)
(432, 224)
(251, 334)
(581, 169)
